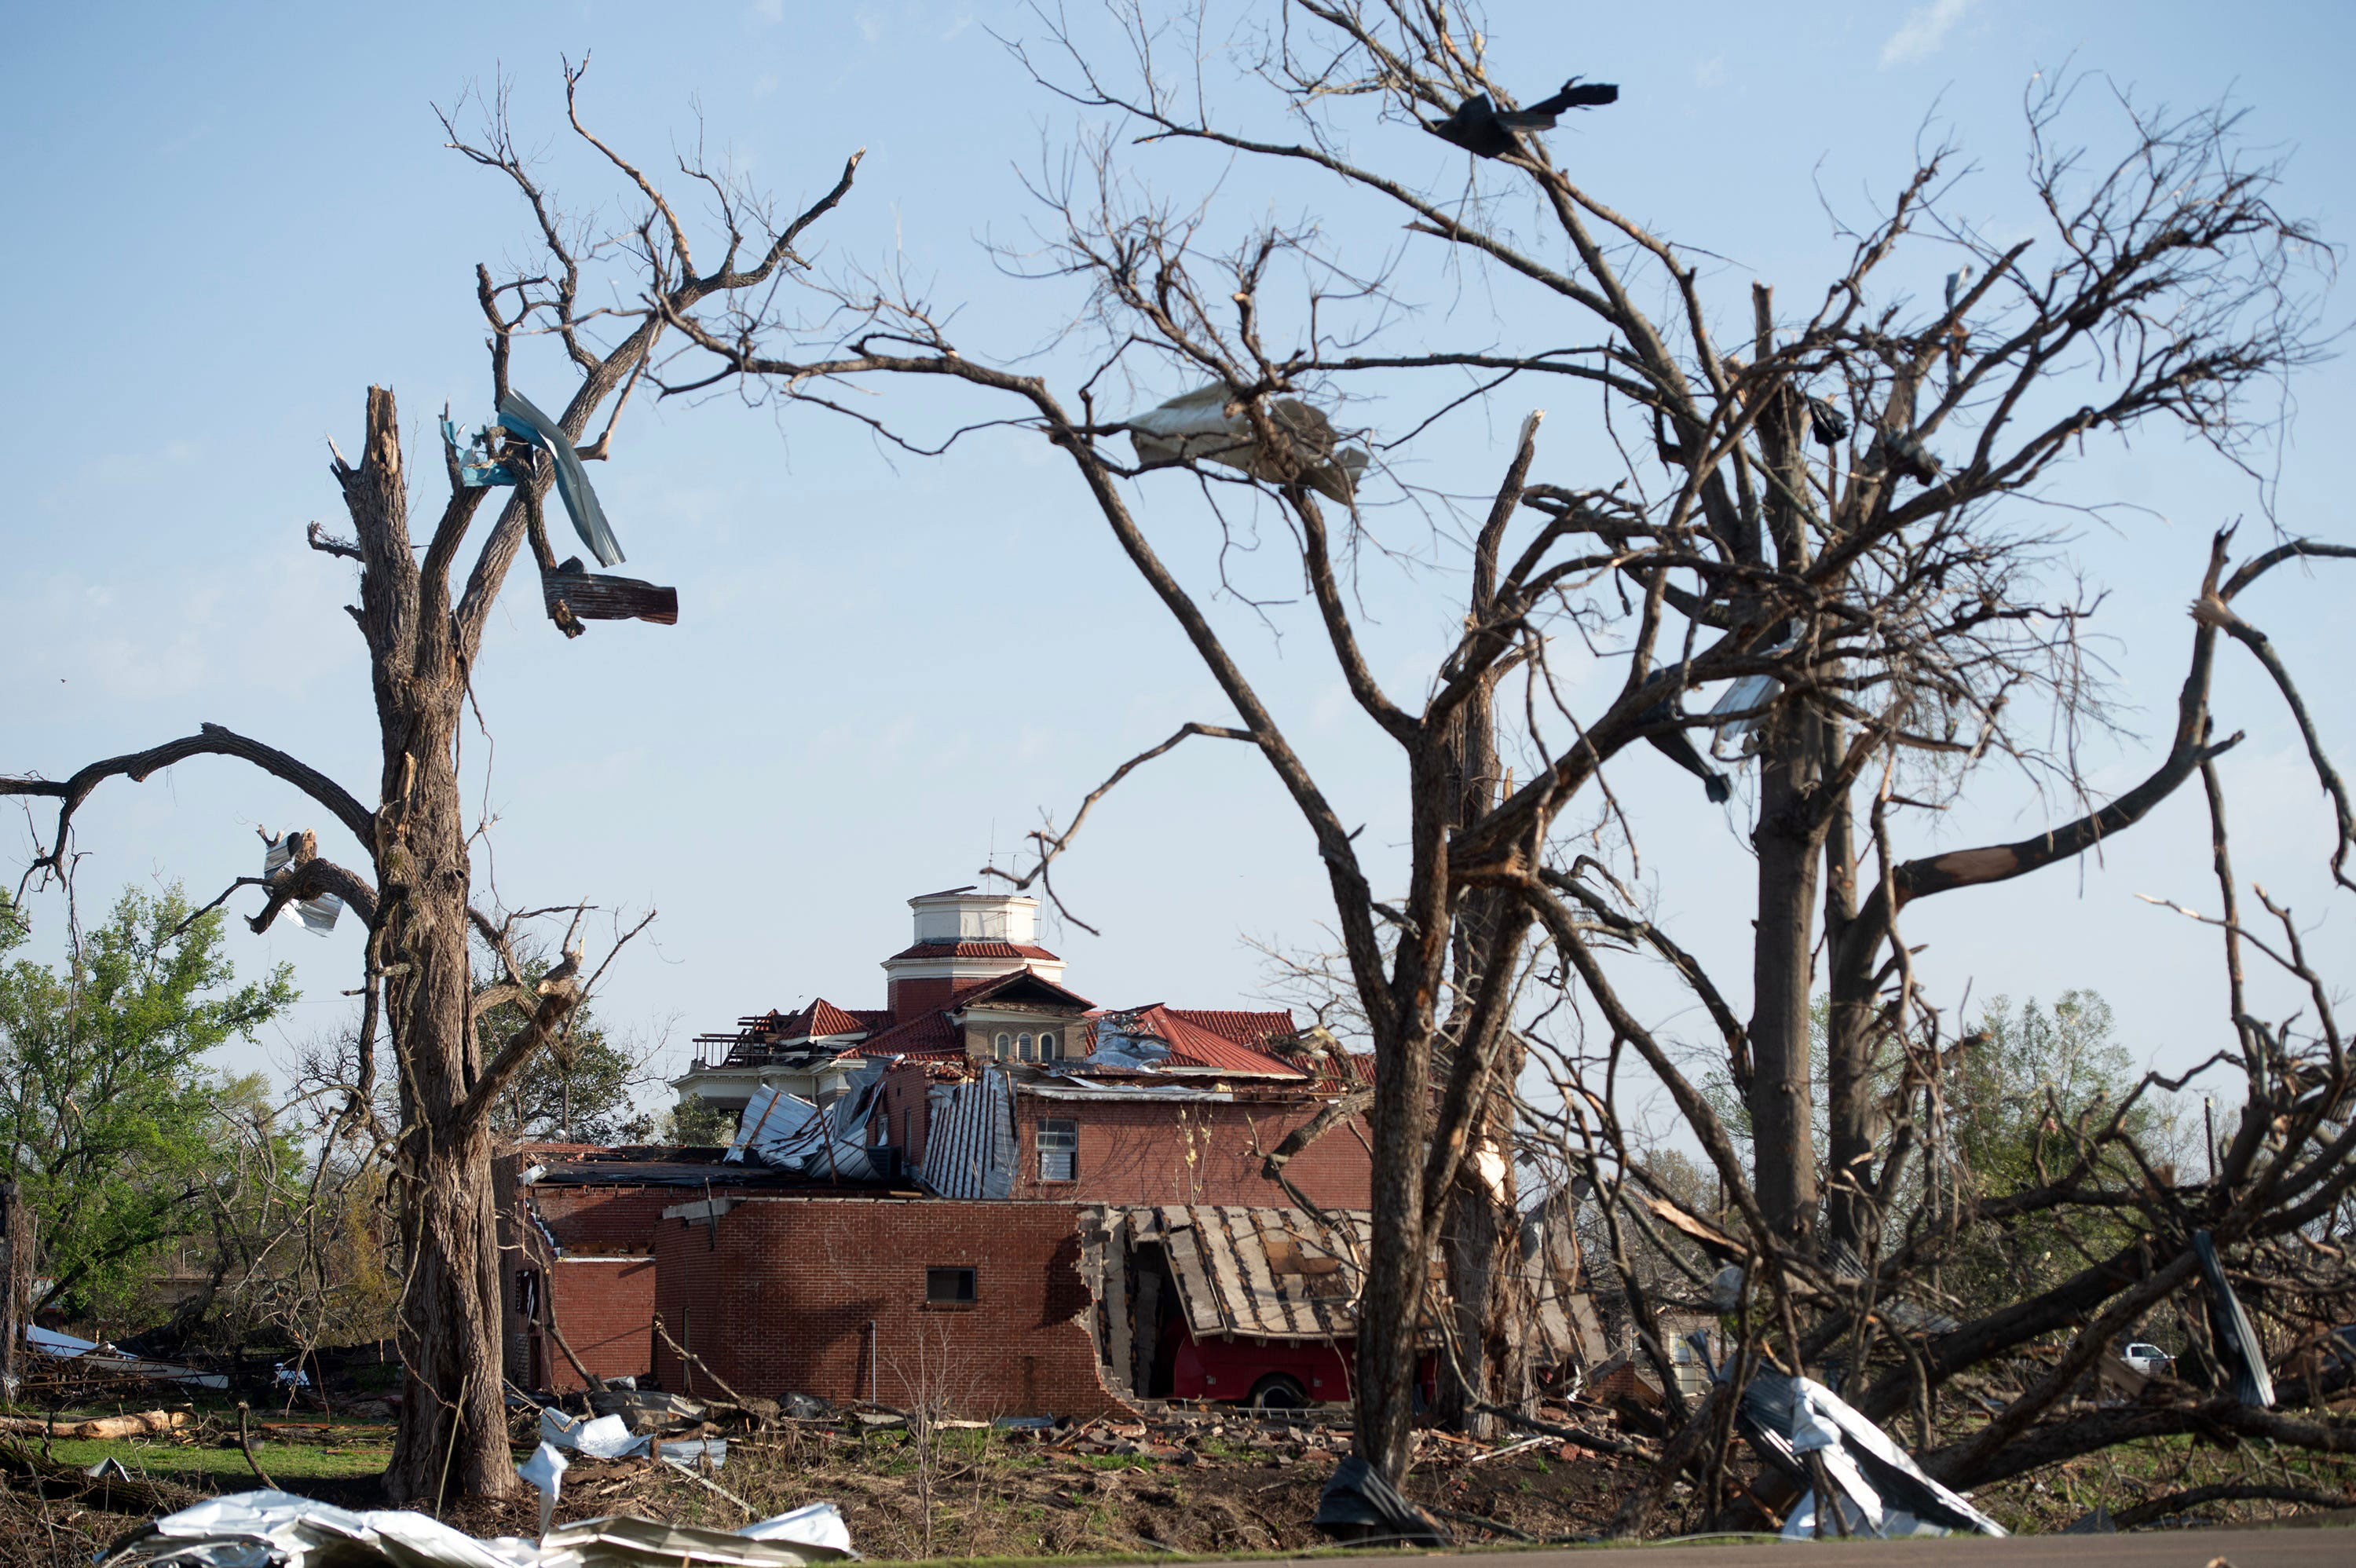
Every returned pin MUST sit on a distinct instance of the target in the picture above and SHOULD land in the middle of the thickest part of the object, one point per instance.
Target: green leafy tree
(2031, 1086)
(694, 1123)
(116, 1127)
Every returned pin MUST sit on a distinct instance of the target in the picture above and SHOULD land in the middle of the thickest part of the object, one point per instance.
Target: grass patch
(285, 1461)
(1117, 1461)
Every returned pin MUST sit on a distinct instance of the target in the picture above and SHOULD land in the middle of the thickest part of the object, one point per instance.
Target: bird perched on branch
(1486, 131)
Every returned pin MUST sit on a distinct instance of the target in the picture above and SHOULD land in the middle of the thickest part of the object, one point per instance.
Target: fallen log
(146, 1423)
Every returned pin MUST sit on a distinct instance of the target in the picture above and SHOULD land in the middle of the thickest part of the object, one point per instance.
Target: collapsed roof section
(1288, 1275)
(787, 1132)
(1160, 1039)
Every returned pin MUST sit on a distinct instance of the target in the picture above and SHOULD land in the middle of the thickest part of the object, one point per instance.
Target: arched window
(1047, 1047)
(1002, 1052)
(1023, 1048)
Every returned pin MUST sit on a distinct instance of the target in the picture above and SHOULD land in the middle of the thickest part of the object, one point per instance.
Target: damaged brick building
(982, 1194)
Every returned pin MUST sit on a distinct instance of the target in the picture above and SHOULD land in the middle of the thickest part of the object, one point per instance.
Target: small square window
(1059, 1151)
(948, 1287)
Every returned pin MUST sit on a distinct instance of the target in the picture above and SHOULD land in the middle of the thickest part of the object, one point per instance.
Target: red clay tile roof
(823, 1017)
(1247, 1028)
(972, 950)
(931, 1035)
(925, 1035)
(982, 990)
(1192, 1045)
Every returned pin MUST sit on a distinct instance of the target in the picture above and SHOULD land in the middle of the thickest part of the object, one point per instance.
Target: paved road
(2288, 1548)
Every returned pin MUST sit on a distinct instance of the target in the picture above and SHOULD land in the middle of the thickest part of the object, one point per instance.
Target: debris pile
(278, 1530)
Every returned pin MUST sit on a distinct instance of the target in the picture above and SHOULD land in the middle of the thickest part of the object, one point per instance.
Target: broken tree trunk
(1481, 1234)
(454, 1420)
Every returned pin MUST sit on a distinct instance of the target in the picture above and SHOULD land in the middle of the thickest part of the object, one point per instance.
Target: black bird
(1678, 747)
(1481, 129)
(1908, 458)
(1829, 425)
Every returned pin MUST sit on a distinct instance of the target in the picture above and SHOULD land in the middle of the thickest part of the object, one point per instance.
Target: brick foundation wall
(778, 1297)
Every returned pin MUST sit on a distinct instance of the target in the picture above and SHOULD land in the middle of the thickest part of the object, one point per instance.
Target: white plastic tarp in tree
(1206, 426)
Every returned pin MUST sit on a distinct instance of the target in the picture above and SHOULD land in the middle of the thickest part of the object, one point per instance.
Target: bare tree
(1780, 517)
(423, 625)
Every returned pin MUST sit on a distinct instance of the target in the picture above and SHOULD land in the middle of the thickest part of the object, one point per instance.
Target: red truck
(1272, 1374)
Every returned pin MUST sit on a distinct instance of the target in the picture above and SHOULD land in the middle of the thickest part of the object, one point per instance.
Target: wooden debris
(145, 1424)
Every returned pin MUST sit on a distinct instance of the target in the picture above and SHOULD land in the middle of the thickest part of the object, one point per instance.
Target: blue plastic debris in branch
(478, 464)
(528, 424)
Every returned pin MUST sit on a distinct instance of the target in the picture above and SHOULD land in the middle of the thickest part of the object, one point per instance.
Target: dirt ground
(1202, 1484)
(1210, 1487)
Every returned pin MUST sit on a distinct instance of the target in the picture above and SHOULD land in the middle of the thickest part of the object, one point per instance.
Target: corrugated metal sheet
(790, 1132)
(969, 1147)
(1270, 1273)
(1278, 1273)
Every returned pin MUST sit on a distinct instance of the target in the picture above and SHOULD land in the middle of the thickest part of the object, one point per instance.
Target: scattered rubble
(278, 1530)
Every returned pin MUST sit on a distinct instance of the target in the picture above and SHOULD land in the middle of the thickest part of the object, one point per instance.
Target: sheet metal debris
(1884, 1491)
(790, 1132)
(819, 1524)
(1678, 747)
(1270, 1273)
(969, 1150)
(1359, 1504)
(544, 1471)
(277, 1529)
(99, 1357)
(318, 914)
(2238, 1345)
(477, 457)
(1199, 427)
(610, 1437)
(533, 428)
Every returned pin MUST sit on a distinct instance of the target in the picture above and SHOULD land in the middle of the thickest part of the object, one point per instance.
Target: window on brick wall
(948, 1287)
(1023, 1048)
(1048, 1051)
(1059, 1151)
(1005, 1047)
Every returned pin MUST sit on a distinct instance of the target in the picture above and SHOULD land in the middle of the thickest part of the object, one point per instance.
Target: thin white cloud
(1711, 73)
(1923, 33)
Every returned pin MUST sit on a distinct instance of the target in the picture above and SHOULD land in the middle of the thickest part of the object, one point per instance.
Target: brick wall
(1139, 1152)
(605, 1306)
(903, 1117)
(778, 1297)
(602, 1291)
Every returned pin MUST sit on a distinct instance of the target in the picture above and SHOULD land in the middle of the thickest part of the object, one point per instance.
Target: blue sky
(230, 220)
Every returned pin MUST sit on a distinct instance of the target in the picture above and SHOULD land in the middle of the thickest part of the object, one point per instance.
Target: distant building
(951, 1175)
